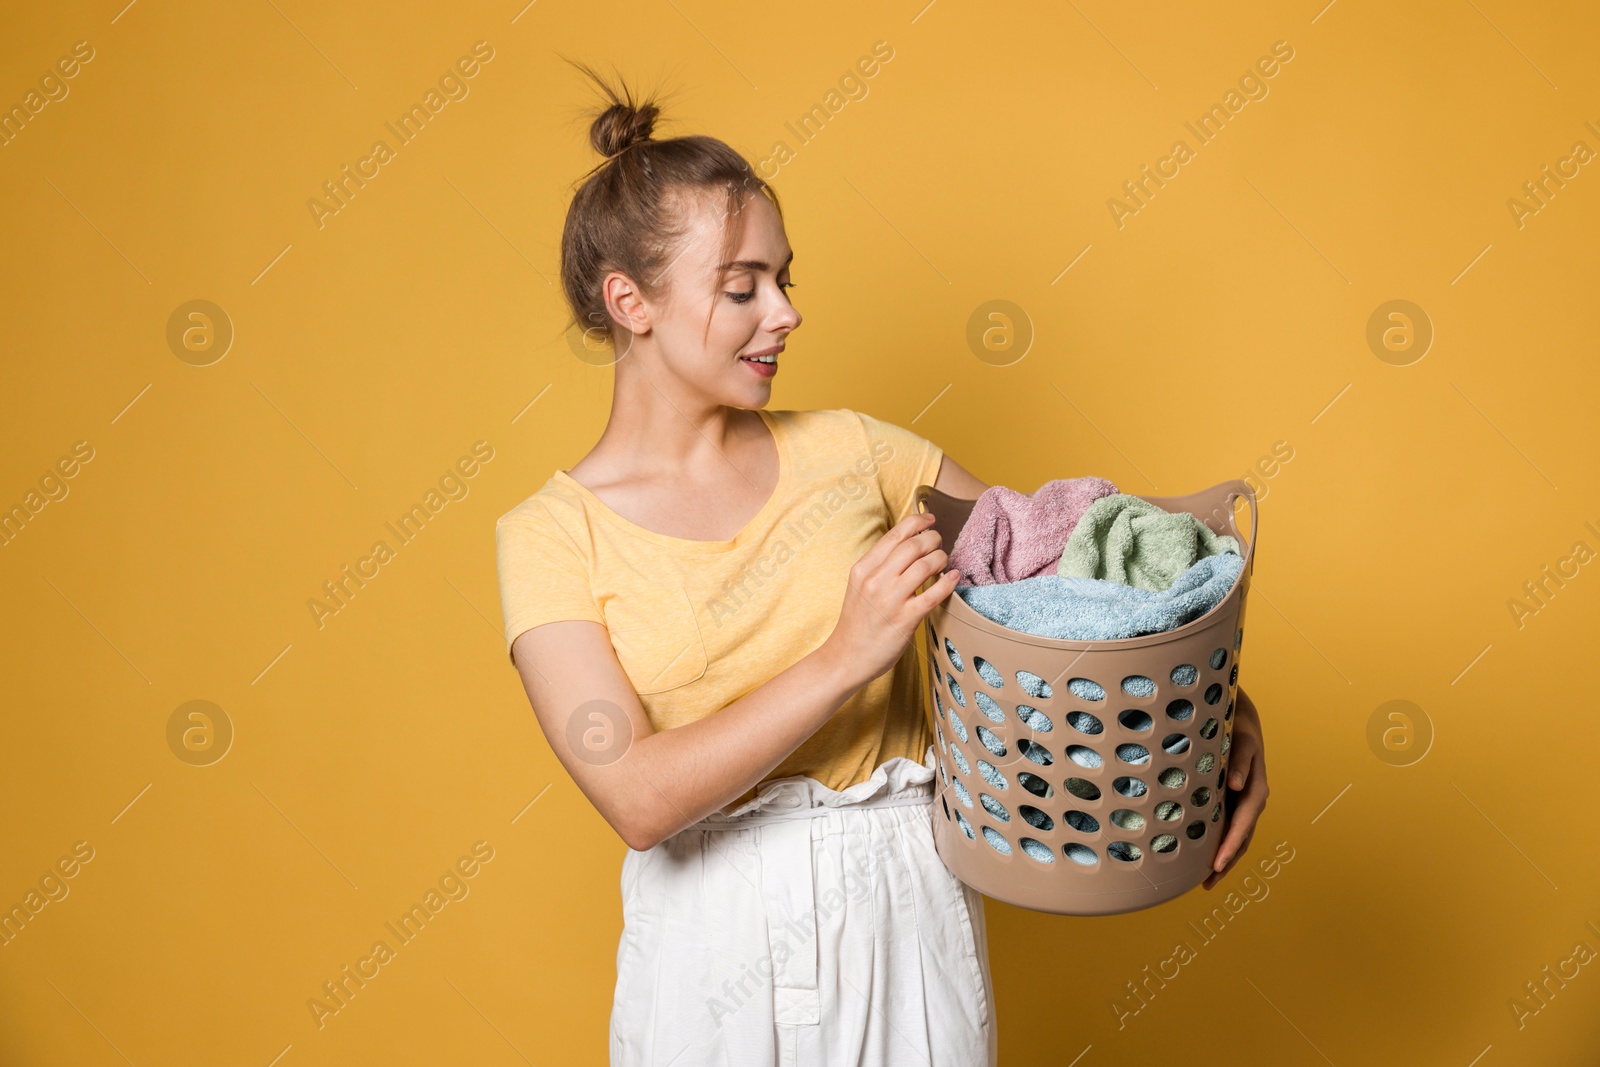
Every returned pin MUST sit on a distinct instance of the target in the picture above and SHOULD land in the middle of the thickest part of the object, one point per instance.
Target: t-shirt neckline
(684, 544)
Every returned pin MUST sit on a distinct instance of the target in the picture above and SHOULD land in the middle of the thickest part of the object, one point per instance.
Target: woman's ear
(624, 302)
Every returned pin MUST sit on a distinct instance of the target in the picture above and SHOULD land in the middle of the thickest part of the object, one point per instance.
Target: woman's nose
(786, 317)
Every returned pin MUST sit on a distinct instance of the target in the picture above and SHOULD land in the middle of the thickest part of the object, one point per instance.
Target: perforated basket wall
(1084, 777)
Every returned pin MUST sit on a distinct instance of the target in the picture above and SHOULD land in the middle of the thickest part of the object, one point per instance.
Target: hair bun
(621, 126)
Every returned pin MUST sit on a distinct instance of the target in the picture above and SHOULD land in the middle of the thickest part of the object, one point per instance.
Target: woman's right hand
(881, 605)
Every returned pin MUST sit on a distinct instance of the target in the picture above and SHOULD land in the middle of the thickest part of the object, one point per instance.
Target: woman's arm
(958, 481)
(650, 785)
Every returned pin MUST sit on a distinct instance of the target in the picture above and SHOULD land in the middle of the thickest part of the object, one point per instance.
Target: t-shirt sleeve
(543, 577)
(904, 461)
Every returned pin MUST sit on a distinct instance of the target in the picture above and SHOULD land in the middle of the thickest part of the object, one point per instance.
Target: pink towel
(1011, 536)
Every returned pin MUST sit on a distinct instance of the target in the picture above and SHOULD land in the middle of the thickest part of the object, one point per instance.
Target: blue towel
(1097, 609)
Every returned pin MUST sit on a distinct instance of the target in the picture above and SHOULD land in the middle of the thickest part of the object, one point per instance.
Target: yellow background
(1229, 314)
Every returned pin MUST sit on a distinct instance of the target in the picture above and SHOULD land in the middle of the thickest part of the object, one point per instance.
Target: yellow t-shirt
(698, 624)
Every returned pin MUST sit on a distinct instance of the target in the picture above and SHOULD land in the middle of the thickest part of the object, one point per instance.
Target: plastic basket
(1099, 845)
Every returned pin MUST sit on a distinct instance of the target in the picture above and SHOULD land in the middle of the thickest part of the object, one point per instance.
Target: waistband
(898, 782)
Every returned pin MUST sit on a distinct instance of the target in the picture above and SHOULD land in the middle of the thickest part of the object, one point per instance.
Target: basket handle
(1233, 491)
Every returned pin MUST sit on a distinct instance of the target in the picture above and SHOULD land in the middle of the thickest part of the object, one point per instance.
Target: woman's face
(750, 311)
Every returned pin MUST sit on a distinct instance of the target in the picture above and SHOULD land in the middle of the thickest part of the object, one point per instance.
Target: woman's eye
(740, 298)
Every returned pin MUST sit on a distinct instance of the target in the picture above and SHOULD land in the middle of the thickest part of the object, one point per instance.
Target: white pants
(808, 927)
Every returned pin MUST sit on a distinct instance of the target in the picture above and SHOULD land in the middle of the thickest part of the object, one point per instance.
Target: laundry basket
(1040, 805)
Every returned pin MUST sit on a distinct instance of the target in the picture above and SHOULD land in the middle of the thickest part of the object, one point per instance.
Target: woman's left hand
(1247, 787)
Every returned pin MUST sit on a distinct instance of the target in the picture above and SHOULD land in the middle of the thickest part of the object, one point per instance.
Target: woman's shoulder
(845, 419)
(555, 504)
(842, 424)
(851, 430)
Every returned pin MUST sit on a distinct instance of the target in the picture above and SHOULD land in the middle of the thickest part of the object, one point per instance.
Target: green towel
(1125, 539)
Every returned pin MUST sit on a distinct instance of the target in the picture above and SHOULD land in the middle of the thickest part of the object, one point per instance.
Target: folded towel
(1010, 535)
(1125, 539)
(1093, 609)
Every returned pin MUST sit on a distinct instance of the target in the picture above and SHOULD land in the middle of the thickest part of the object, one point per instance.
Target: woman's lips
(766, 370)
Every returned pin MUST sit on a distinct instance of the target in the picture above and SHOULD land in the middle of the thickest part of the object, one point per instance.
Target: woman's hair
(629, 213)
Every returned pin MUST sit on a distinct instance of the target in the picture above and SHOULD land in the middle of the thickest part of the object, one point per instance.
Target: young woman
(711, 613)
